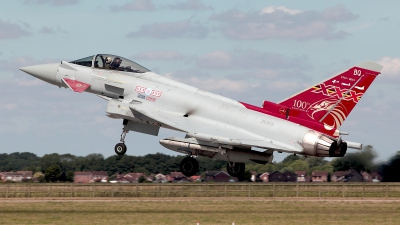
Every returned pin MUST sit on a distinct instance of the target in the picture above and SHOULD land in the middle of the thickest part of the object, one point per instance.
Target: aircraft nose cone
(45, 72)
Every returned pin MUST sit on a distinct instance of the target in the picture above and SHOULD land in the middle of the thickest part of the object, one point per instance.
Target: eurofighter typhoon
(217, 127)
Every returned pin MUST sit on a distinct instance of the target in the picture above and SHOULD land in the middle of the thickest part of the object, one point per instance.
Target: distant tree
(112, 177)
(288, 168)
(279, 166)
(70, 176)
(40, 176)
(289, 159)
(117, 164)
(18, 161)
(53, 173)
(30, 168)
(315, 161)
(315, 168)
(327, 167)
(63, 177)
(50, 159)
(68, 162)
(246, 177)
(299, 165)
(260, 168)
(94, 162)
(140, 170)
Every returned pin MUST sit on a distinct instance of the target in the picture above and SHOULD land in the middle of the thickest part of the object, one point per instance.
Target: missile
(192, 147)
(175, 145)
(214, 139)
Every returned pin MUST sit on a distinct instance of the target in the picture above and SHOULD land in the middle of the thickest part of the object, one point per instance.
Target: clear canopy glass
(111, 62)
(87, 61)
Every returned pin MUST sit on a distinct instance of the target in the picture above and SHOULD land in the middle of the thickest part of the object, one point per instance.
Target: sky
(249, 51)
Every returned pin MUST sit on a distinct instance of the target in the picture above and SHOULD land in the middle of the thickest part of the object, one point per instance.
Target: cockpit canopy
(111, 62)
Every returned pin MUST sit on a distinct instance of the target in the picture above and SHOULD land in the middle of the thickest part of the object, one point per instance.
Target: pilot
(116, 63)
(108, 62)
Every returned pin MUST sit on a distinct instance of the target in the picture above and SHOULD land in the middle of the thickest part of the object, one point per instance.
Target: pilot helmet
(117, 61)
(108, 60)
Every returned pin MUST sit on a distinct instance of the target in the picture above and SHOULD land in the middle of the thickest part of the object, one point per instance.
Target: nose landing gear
(120, 148)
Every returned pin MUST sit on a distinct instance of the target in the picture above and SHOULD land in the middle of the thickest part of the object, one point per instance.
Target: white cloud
(14, 63)
(10, 30)
(166, 30)
(283, 85)
(264, 74)
(159, 55)
(52, 2)
(29, 82)
(216, 60)
(8, 106)
(284, 23)
(249, 60)
(213, 84)
(46, 30)
(136, 5)
(184, 73)
(195, 5)
(219, 85)
(391, 67)
(271, 9)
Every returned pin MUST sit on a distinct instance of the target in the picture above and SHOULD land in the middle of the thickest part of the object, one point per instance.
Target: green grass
(222, 210)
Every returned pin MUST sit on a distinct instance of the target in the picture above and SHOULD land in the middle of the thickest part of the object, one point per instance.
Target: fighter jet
(215, 126)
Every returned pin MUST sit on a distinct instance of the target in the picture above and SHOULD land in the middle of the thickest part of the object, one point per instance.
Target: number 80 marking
(357, 72)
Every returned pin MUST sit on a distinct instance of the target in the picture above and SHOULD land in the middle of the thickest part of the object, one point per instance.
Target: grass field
(205, 210)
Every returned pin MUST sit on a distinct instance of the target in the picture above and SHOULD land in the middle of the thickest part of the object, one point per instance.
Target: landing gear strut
(189, 166)
(120, 148)
(236, 169)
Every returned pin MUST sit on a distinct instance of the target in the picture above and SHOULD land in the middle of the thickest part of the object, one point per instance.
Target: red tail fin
(331, 101)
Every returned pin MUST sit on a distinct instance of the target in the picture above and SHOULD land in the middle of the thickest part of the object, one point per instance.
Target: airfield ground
(278, 211)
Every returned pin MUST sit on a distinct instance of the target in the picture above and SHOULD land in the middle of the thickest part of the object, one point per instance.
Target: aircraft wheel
(189, 166)
(120, 149)
(236, 169)
(241, 177)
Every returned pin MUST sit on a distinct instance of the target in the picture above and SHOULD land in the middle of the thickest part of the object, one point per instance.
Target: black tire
(189, 166)
(237, 170)
(120, 149)
(240, 178)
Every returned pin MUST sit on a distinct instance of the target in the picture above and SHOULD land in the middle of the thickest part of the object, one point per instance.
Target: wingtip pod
(369, 65)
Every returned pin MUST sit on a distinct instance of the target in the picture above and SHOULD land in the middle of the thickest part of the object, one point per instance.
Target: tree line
(62, 167)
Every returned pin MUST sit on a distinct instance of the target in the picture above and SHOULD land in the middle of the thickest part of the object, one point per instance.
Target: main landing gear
(120, 148)
(189, 166)
(236, 169)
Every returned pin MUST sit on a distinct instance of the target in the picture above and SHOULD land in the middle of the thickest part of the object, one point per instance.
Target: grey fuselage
(186, 100)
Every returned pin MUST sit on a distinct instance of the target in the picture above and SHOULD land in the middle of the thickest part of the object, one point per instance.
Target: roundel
(148, 91)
